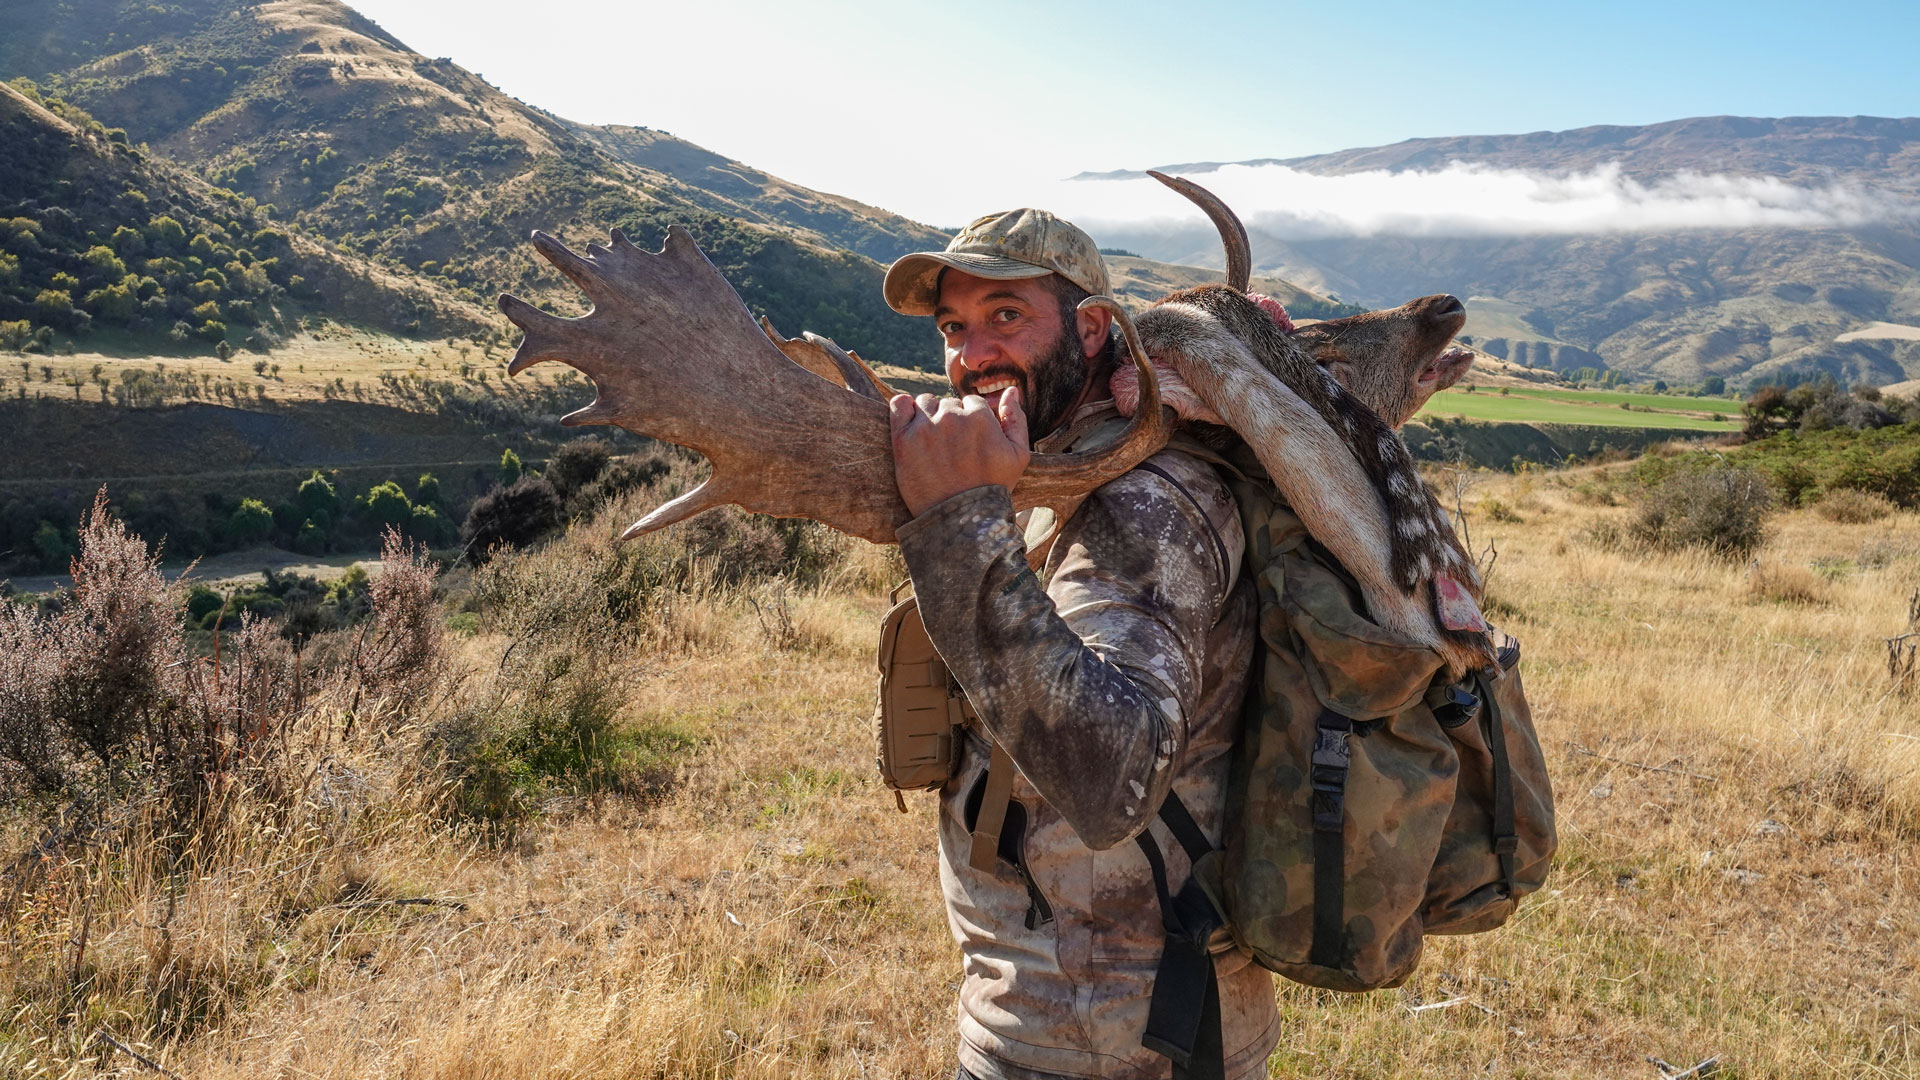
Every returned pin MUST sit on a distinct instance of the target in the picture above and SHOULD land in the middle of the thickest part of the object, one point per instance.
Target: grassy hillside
(99, 241)
(577, 833)
(422, 167)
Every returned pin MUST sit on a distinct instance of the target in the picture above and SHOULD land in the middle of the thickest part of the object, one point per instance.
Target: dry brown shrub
(402, 650)
(1783, 583)
(1845, 506)
(1723, 510)
(83, 688)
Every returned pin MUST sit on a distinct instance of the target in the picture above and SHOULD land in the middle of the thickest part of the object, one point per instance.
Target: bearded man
(1109, 681)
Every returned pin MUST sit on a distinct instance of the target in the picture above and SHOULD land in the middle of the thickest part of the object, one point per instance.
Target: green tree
(1713, 386)
(115, 303)
(509, 467)
(318, 500)
(102, 258)
(128, 241)
(54, 302)
(51, 545)
(251, 522)
(429, 527)
(166, 233)
(426, 491)
(387, 505)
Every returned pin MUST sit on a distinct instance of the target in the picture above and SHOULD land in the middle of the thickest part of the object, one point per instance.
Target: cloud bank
(1478, 200)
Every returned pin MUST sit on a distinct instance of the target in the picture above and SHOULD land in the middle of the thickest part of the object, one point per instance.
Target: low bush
(1847, 507)
(1723, 510)
(1783, 584)
(512, 516)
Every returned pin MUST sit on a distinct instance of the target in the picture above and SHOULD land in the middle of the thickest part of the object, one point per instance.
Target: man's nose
(977, 351)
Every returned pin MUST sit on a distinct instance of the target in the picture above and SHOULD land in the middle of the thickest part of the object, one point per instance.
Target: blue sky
(937, 111)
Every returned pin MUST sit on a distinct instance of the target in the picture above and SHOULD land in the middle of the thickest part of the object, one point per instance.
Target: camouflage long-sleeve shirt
(1121, 678)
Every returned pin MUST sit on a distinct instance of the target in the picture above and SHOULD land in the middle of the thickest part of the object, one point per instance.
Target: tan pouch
(919, 707)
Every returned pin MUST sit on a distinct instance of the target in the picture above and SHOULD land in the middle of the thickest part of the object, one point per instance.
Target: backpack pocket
(1346, 781)
(1478, 877)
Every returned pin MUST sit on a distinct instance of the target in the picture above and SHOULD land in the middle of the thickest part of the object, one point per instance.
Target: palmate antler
(675, 355)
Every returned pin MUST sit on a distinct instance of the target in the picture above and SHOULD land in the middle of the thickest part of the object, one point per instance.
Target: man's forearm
(1095, 739)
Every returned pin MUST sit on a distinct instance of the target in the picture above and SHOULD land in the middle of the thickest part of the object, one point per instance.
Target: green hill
(422, 168)
(98, 240)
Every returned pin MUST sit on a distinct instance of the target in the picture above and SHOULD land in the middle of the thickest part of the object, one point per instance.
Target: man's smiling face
(1000, 334)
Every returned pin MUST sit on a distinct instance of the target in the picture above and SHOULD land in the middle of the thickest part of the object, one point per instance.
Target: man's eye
(1005, 314)
(949, 327)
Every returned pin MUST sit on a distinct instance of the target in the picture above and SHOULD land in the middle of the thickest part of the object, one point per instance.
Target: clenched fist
(944, 446)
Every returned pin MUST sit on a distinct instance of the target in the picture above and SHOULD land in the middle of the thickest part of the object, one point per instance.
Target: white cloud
(1477, 200)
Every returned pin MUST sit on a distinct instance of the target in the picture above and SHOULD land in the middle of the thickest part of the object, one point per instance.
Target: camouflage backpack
(1371, 802)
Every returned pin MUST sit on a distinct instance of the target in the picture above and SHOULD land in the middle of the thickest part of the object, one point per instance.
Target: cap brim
(913, 281)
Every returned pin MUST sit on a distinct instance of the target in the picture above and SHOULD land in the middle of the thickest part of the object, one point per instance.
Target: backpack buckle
(1453, 705)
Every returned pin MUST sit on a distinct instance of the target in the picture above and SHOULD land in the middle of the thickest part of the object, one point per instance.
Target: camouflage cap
(1013, 244)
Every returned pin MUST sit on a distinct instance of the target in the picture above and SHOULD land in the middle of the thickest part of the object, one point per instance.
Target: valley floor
(1739, 795)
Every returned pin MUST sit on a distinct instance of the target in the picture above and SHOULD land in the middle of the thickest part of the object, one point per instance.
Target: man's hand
(944, 446)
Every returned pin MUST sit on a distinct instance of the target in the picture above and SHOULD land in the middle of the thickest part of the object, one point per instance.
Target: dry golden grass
(1739, 796)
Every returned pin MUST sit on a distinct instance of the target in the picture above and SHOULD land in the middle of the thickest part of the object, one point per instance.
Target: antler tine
(829, 361)
(1233, 235)
(1057, 479)
(543, 335)
(860, 378)
(581, 272)
(705, 497)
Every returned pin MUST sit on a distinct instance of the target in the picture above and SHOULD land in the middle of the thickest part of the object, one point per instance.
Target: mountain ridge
(1885, 147)
(1745, 304)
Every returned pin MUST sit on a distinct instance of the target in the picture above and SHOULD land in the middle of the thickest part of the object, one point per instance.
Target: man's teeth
(992, 386)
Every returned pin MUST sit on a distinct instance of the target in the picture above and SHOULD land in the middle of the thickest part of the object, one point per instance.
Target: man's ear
(1094, 324)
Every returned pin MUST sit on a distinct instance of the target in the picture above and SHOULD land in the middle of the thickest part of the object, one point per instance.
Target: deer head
(675, 355)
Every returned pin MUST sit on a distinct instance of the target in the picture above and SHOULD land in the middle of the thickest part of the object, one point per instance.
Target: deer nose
(1446, 306)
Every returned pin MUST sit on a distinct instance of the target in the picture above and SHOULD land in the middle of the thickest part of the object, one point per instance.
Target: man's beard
(1051, 387)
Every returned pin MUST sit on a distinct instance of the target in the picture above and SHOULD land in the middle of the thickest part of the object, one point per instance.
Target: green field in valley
(1595, 408)
(1663, 402)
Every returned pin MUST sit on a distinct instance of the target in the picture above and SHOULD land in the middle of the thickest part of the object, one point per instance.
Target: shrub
(576, 464)
(166, 233)
(620, 476)
(387, 506)
(251, 522)
(317, 498)
(1848, 507)
(1723, 509)
(405, 652)
(513, 515)
(509, 467)
(78, 690)
(103, 260)
(1781, 584)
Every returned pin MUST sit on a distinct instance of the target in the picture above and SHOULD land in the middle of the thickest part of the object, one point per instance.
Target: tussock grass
(736, 896)
(1851, 507)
